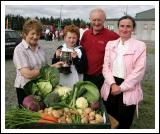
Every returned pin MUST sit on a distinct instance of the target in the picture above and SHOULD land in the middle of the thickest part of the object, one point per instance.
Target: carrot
(41, 121)
(48, 117)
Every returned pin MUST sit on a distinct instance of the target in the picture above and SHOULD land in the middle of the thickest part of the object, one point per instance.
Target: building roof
(136, 19)
(148, 14)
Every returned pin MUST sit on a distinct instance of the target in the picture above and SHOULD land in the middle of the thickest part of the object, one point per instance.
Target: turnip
(31, 103)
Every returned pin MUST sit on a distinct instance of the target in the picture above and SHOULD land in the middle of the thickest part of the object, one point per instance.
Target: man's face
(97, 21)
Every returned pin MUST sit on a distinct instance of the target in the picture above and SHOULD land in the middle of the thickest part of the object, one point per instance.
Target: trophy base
(65, 70)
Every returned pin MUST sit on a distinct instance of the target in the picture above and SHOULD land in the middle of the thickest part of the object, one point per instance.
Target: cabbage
(87, 90)
(31, 87)
(50, 74)
(51, 98)
(44, 87)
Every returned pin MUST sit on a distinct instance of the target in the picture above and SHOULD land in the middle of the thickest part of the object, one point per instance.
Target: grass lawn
(146, 119)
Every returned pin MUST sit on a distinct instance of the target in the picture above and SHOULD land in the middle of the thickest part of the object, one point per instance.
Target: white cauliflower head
(81, 103)
(62, 90)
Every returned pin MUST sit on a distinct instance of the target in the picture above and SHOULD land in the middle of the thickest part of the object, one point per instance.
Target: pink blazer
(135, 64)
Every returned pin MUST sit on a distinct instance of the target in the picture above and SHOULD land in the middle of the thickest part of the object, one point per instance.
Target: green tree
(16, 22)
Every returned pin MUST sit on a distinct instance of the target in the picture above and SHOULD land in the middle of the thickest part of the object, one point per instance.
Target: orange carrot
(48, 117)
(41, 121)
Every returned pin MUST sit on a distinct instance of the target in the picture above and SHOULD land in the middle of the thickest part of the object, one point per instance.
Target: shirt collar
(65, 48)
(100, 32)
(126, 42)
(27, 46)
(128, 45)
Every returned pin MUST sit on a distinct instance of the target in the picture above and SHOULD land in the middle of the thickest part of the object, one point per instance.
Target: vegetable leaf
(50, 74)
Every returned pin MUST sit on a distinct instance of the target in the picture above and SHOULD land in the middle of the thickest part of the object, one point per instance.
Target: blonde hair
(98, 10)
(31, 24)
(72, 29)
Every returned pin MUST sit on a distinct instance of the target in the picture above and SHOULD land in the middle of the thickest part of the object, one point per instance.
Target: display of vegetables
(67, 97)
(17, 118)
(48, 102)
(85, 89)
(67, 115)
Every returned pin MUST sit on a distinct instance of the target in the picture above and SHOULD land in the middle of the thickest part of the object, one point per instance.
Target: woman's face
(32, 37)
(70, 39)
(125, 28)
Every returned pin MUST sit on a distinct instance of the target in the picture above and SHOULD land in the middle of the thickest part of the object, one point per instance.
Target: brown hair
(128, 17)
(72, 29)
(30, 25)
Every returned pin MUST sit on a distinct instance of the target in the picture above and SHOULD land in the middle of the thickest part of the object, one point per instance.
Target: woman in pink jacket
(123, 69)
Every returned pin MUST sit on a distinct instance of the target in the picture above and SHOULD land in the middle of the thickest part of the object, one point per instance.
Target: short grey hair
(98, 10)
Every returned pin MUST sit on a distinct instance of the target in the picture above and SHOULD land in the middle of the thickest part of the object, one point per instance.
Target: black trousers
(96, 79)
(20, 96)
(121, 112)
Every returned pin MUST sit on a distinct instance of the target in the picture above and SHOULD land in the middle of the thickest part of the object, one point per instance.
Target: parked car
(12, 39)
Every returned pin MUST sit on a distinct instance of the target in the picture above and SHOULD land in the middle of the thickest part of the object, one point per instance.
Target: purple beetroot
(31, 103)
(95, 105)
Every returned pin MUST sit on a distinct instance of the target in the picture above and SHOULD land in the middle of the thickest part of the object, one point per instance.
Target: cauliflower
(81, 102)
(62, 90)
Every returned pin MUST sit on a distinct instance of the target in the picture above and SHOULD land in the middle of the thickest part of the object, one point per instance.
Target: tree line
(16, 22)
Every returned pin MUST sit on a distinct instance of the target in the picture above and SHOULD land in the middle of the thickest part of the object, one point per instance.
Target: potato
(40, 111)
(55, 113)
(92, 113)
(99, 118)
(80, 111)
(60, 111)
(68, 120)
(62, 119)
(87, 110)
(92, 122)
(84, 120)
(50, 109)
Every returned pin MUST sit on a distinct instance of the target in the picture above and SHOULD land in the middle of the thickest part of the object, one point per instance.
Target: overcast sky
(74, 11)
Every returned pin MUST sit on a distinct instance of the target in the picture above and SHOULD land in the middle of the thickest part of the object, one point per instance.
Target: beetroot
(31, 103)
(95, 105)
